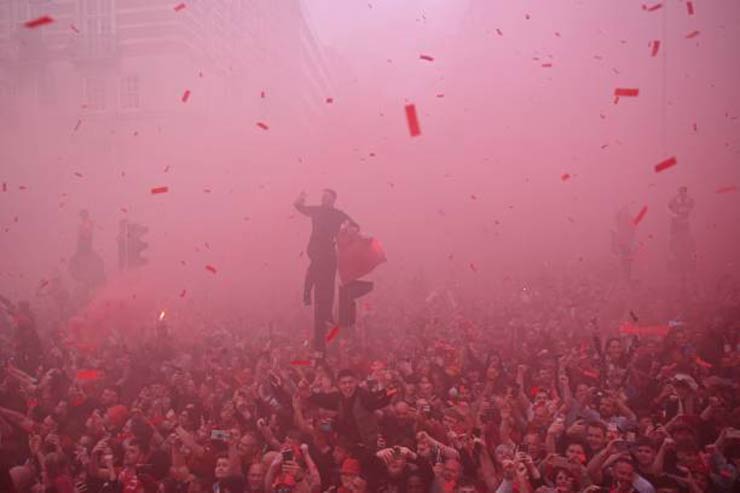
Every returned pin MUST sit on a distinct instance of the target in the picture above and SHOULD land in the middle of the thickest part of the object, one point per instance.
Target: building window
(130, 92)
(95, 94)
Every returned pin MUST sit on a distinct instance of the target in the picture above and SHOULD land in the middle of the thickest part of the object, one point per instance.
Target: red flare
(626, 92)
(88, 375)
(185, 96)
(656, 47)
(413, 120)
(156, 190)
(692, 34)
(211, 269)
(731, 188)
(640, 216)
(179, 7)
(671, 161)
(332, 334)
(426, 57)
(263, 126)
(40, 21)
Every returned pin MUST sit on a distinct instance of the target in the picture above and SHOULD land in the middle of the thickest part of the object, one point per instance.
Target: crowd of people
(538, 396)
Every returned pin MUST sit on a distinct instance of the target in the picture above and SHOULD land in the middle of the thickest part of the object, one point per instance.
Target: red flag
(692, 34)
(332, 334)
(671, 161)
(263, 126)
(88, 375)
(625, 92)
(731, 188)
(656, 47)
(156, 190)
(40, 21)
(179, 7)
(427, 58)
(690, 7)
(185, 96)
(640, 216)
(300, 362)
(211, 269)
(413, 120)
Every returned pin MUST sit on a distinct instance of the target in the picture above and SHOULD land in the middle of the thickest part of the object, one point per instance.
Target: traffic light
(131, 245)
(348, 293)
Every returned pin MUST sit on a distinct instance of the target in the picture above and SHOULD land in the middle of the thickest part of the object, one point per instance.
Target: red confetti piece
(440, 95)
(412, 120)
(179, 7)
(498, 31)
(211, 269)
(731, 188)
(185, 96)
(472, 196)
(692, 34)
(263, 126)
(124, 210)
(671, 161)
(166, 168)
(473, 267)
(88, 375)
(640, 216)
(656, 46)
(329, 100)
(79, 122)
(5, 187)
(43, 284)
(652, 8)
(182, 293)
(22, 187)
(426, 57)
(696, 128)
(332, 334)
(565, 176)
(690, 7)
(74, 28)
(78, 174)
(156, 190)
(40, 21)
(300, 362)
(625, 92)
(546, 65)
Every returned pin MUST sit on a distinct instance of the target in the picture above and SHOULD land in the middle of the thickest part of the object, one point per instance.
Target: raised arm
(300, 204)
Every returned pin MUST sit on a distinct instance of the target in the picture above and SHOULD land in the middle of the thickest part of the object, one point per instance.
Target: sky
(523, 160)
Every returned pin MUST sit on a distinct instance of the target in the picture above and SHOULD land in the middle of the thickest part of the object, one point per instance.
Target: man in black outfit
(326, 223)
